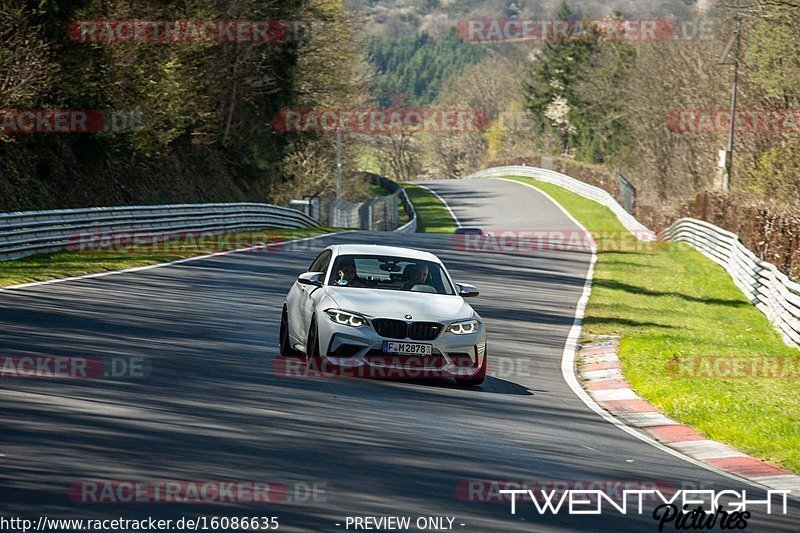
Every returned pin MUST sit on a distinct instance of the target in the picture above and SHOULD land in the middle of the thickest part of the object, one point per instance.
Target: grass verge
(377, 190)
(674, 308)
(43, 267)
(432, 215)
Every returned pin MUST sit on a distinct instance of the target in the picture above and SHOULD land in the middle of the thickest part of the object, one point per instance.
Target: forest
(204, 108)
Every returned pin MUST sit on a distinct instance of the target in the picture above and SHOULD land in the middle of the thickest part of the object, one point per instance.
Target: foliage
(574, 88)
(206, 108)
(412, 70)
(550, 88)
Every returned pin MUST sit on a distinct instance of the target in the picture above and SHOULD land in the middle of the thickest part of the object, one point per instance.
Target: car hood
(396, 304)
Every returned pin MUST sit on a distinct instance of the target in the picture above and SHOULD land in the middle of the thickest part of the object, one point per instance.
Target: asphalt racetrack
(210, 404)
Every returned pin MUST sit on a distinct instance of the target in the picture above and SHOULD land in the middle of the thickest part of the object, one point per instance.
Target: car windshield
(390, 273)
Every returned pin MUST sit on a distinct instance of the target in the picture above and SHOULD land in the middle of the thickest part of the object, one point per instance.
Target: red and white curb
(599, 369)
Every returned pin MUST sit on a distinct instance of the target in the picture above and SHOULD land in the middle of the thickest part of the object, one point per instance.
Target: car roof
(375, 249)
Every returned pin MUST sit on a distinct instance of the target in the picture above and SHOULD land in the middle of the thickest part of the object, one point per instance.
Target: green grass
(432, 215)
(43, 267)
(377, 190)
(671, 304)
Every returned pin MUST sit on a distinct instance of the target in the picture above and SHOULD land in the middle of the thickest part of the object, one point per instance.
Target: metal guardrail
(395, 188)
(769, 289)
(411, 225)
(30, 232)
(591, 192)
(379, 213)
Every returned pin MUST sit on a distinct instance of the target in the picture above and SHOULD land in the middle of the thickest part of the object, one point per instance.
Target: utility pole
(734, 94)
(338, 164)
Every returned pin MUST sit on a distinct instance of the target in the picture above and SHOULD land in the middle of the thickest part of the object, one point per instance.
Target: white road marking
(455, 218)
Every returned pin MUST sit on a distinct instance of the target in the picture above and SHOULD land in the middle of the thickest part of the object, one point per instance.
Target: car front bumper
(358, 351)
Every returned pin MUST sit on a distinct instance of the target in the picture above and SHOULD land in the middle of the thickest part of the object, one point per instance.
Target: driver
(346, 276)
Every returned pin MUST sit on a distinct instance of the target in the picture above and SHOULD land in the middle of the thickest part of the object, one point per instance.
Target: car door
(309, 294)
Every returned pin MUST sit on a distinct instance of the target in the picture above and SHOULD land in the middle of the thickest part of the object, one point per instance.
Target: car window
(321, 263)
(390, 273)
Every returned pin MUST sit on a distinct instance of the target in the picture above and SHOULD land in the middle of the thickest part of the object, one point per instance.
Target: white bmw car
(380, 311)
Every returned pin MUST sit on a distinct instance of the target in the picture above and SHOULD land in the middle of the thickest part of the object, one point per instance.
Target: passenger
(417, 274)
(408, 273)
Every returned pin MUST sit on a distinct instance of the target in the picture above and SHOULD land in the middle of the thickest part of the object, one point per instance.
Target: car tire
(285, 345)
(313, 358)
(479, 377)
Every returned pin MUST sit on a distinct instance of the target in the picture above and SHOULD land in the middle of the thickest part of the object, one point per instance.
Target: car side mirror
(467, 291)
(311, 278)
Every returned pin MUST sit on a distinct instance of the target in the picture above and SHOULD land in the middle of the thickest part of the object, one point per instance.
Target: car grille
(391, 329)
(397, 329)
(424, 331)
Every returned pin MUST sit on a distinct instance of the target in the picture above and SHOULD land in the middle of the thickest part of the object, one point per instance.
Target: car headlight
(344, 318)
(464, 327)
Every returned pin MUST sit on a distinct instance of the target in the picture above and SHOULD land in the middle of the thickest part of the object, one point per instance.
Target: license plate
(407, 348)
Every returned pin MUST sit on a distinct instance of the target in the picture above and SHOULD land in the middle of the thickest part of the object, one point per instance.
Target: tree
(551, 84)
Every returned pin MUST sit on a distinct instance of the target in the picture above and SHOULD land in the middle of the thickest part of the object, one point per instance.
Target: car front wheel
(313, 358)
(283, 336)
